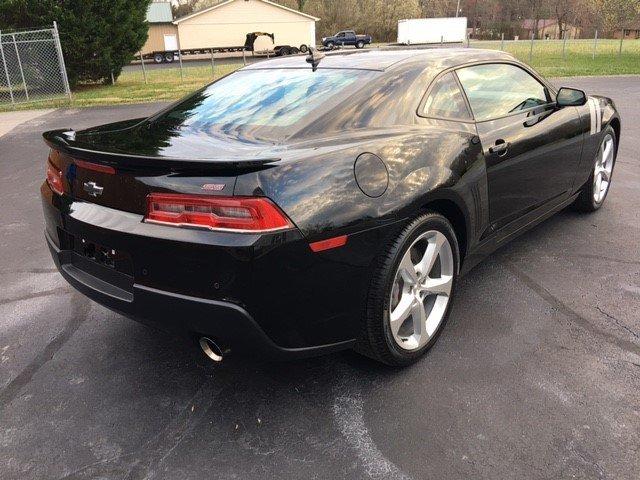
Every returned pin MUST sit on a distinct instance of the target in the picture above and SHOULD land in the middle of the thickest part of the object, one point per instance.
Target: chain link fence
(32, 66)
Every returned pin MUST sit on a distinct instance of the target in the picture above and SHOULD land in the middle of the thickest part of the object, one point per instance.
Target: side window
(495, 90)
(445, 100)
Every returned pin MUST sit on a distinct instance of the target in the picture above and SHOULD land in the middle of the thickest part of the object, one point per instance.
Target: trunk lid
(96, 170)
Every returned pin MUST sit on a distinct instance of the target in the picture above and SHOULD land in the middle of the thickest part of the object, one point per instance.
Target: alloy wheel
(603, 168)
(421, 290)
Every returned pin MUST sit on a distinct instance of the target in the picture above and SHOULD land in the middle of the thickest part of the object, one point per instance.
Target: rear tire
(405, 312)
(158, 58)
(360, 44)
(168, 57)
(594, 192)
(304, 48)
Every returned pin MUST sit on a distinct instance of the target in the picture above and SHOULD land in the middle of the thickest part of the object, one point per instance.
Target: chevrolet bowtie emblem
(92, 188)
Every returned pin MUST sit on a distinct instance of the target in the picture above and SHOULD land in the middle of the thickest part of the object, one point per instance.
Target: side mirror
(570, 97)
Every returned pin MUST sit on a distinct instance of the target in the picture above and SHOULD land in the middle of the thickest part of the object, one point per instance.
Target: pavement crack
(31, 296)
(571, 314)
(617, 322)
(78, 315)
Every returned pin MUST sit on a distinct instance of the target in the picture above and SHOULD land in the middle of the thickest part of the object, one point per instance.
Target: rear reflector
(328, 243)
(237, 214)
(95, 167)
(54, 178)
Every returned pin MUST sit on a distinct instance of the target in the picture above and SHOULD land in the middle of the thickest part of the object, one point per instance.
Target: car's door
(531, 147)
(350, 38)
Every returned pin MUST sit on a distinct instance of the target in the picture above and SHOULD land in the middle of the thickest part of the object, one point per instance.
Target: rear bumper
(261, 294)
(228, 324)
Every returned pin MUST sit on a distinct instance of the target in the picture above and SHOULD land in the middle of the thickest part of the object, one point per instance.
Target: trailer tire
(158, 57)
(303, 48)
(168, 57)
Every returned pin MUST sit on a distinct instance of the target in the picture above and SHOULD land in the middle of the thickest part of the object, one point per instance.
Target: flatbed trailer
(168, 56)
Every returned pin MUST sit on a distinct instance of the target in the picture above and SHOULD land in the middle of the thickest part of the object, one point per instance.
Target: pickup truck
(346, 37)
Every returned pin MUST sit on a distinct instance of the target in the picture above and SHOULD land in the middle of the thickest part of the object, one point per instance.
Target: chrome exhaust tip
(211, 349)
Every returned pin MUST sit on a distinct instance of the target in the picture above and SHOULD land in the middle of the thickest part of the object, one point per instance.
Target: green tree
(98, 37)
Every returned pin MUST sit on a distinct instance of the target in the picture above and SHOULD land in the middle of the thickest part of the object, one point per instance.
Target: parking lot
(536, 375)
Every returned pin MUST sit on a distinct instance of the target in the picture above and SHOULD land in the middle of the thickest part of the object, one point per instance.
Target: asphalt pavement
(536, 375)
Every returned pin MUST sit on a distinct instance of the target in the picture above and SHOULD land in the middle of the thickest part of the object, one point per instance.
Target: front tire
(594, 192)
(331, 45)
(411, 292)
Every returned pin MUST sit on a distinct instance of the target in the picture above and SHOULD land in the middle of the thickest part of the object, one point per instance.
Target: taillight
(54, 178)
(239, 214)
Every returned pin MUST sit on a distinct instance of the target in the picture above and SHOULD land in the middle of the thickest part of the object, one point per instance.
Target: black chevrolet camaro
(292, 209)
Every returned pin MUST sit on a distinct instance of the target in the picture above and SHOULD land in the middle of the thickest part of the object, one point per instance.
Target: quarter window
(445, 100)
(496, 90)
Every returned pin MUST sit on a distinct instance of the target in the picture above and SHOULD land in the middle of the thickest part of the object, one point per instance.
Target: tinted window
(445, 100)
(495, 90)
(262, 103)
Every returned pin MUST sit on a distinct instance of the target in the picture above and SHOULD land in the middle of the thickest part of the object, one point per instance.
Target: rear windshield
(262, 104)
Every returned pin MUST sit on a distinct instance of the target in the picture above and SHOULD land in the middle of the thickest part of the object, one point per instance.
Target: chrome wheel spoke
(431, 254)
(402, 311)
(438, 286)
(419, 317)
(408, 270)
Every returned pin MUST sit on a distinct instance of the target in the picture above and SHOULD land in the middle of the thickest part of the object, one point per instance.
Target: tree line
(488, 18)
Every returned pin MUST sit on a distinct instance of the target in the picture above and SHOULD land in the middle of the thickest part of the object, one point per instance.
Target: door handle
(500, 148)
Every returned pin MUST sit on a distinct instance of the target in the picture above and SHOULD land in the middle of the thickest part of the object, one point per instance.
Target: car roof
(384, 59)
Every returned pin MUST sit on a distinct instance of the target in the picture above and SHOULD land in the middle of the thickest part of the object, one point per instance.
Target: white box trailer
(432, 30)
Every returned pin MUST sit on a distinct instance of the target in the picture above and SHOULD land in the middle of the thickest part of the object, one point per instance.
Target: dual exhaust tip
(211, 349)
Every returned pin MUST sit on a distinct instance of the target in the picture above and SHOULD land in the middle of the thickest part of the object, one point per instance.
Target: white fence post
(24, 82)
(531, 48)
(180, 55)
(502, 41)
(564, 46)
(6, 71)
(595, 44)
(144, 70)
(63, 68)
(621, 39)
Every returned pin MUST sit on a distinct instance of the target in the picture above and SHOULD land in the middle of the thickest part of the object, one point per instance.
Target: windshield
(261, 104)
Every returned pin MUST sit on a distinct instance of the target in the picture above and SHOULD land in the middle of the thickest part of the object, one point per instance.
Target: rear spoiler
(63, 140)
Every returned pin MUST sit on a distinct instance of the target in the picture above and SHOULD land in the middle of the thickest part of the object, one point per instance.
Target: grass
(578, 60)
(162, 84)
(167, 84)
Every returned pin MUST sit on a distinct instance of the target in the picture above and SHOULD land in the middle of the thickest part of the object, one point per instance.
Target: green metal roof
(159, 12)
